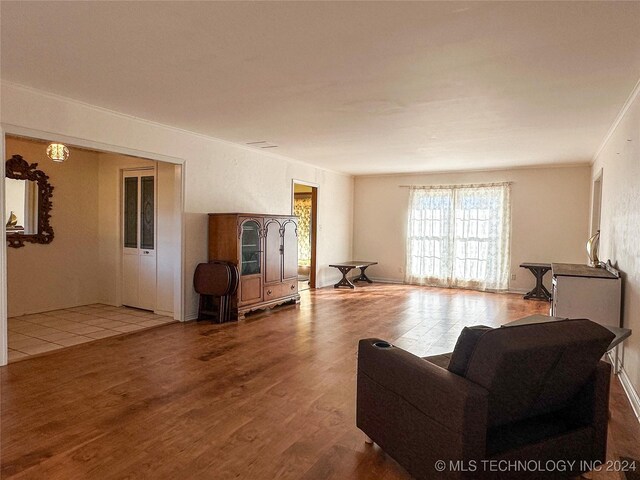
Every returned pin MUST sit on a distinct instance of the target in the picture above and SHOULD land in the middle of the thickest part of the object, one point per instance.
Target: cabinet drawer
(280, 290)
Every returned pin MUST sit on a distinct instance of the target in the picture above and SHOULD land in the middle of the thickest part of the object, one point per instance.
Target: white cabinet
(580, 291)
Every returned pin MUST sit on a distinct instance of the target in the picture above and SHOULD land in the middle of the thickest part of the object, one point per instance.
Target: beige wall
(64, 272)
(619, 162)
(549, 216)
(218, 176)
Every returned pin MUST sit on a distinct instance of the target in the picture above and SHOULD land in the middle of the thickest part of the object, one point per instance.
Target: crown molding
(476, 170)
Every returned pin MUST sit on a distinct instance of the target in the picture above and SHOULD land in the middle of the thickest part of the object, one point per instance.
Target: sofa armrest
(416, 411)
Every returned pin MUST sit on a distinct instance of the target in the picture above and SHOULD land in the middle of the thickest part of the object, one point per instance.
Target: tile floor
(43, 332)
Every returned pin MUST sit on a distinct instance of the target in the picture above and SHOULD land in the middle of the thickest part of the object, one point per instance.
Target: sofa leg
(368, 440)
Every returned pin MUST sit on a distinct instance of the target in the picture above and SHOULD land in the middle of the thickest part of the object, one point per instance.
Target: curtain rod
(469, 185)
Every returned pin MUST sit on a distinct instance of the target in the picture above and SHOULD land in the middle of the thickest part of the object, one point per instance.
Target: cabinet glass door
(250, 248)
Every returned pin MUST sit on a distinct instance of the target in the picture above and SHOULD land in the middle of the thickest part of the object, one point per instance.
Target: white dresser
(580, 291)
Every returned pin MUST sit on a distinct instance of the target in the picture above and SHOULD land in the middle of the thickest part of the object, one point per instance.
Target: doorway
(78, 275)
(305, 207)
(597, 203)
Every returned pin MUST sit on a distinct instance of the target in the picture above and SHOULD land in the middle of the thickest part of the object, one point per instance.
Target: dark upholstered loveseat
(535, 393)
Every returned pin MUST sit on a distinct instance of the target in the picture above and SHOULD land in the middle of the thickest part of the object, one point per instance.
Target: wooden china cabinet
(265, 250)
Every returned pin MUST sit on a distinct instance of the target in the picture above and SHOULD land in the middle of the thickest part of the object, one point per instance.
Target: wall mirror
(27, 203)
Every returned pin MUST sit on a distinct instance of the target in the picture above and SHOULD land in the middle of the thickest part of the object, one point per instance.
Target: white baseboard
(62, 306)
(632, 395)
(191, 316)
(395, 281)
(519, 291)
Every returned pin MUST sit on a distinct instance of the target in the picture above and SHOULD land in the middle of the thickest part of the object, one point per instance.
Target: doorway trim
(314, 225)
(4, 335)
(15, 130)
(596, 202)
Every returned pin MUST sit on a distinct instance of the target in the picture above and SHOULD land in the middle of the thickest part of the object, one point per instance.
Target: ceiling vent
(261, 144)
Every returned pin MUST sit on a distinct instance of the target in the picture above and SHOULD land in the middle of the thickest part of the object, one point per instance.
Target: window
(458, 236)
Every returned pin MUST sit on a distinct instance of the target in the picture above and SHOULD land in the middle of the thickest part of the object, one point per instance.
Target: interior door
(139, 239)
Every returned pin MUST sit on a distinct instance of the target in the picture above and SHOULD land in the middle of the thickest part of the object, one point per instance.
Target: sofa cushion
(464, 348)
(534, 369)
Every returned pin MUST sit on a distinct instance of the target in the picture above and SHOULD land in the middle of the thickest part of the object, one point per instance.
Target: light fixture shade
(57, 152)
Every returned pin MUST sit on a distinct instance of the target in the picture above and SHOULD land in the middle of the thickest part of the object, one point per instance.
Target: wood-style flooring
(270, 397)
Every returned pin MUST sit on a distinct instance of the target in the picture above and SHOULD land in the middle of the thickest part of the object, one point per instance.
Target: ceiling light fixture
(57, 152)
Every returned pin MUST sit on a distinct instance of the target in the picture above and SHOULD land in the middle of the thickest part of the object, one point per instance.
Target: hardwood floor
(269, 397)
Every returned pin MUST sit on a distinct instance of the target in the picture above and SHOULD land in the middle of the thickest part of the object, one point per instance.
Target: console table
(581, 291)
(346, 267)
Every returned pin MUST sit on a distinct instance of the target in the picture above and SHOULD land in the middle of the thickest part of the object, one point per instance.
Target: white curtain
(458, 236)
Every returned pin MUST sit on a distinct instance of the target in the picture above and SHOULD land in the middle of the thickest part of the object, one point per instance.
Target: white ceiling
(357, 87)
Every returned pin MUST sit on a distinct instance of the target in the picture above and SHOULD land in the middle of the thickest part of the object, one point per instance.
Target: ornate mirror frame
(19, 169)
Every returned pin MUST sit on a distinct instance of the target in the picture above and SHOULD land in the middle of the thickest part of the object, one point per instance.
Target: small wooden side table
(346, 267)
(538, 270)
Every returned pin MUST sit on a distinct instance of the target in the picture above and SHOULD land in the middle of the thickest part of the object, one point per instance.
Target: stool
(215, 280)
